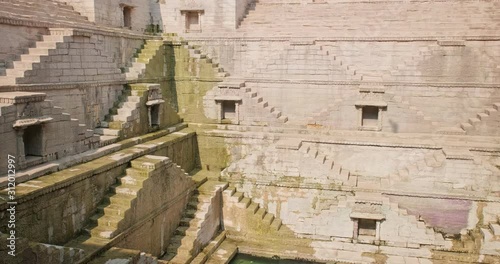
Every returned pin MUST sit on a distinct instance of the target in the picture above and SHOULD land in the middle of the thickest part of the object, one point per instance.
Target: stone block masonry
(90, 181)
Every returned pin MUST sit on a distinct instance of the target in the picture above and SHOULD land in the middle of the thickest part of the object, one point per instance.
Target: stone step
(268, 218)
(126, 189)
(109, 221)
(253, 207)
(112, 209)
(186, 221)
(107, 132)
(261, 212)
(119, 198)
(186, 231)
(244, 203)
(102, 232)
(276, 224)
(236, 197)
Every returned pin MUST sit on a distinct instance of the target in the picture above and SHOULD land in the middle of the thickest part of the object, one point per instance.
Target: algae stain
(378, 257)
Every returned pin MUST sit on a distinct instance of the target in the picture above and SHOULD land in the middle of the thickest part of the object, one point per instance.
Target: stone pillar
(355, 232)
(360, 117)
(219, 111)
(21, 155)
(237, 110)
(377, 229)
(379, 122)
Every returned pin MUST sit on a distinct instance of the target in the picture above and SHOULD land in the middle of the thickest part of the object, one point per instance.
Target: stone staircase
(196, 52)
(113, 213)
(350, 70)
(421, 234)
(431, 160)
(194, 232)
(110, 219)
(267, 221)
(374, 19)
(35, 56)
(142, 58)
(334, 170)
(471, 126)
(422, 119)
(263, 104)
(124, 116)
(491, 238)
(43, 11)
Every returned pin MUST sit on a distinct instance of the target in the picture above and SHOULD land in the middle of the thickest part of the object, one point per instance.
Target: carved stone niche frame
(370, 114)
(192, 16)
(228, 109)
(154, 103)
(367, 217)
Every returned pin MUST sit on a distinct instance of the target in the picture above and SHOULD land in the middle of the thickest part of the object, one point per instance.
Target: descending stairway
(422, 120)
(334, 170)
(471, 127)
(198, 225)
(491, 238)
(261, 103)
(196, 52)
(421, 233)
(35, 56)
(117, 209)
(124, 116)
(142, 58)
(46, 11)
(110, 219)
(266, 222)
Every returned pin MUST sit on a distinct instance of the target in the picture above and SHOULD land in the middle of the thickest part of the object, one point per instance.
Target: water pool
(248, 259)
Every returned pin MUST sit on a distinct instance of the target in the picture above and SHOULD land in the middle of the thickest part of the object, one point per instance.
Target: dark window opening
(228, 109)
(370, 116)
(32, 139)
(127, 16)
(367, 227)
(154, 113)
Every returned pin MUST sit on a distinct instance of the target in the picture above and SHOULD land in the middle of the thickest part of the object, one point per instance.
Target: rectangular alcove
(192, 22)
(228, 109)
(370, 115)
(33, 141)
(154, 116)
(367, 227)
(127, 16)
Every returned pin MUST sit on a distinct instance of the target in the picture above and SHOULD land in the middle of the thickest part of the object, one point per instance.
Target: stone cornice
(79, 85)
(330, 137)
(97, 30)
(105, 164)
(388, 83)
(239, 37)
(342, 188)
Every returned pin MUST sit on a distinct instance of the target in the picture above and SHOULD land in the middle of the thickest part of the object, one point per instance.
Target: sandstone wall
(17, 38)
(219, 15)
(160, 206)
(61, 209)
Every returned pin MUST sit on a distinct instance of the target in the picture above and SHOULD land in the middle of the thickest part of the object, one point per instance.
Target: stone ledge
(78, 30)
(345, 39)
(349, 189)
(54, 166)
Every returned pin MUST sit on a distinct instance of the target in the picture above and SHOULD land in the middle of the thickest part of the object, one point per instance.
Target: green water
(247, 259)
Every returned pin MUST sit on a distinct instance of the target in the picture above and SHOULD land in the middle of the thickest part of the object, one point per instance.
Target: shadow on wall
(169, 86)
(394, 126)
(156, 22)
